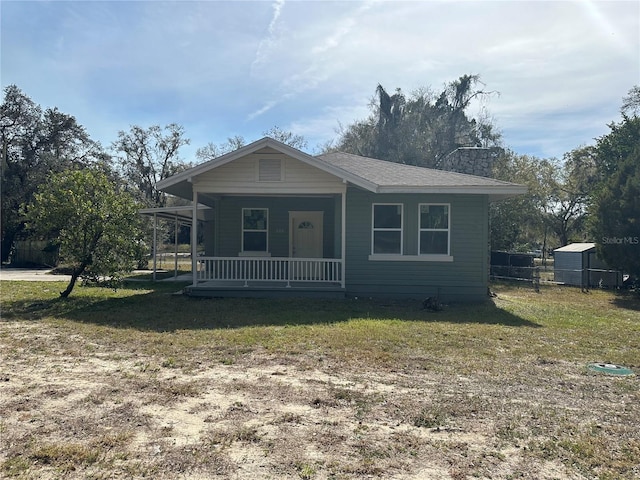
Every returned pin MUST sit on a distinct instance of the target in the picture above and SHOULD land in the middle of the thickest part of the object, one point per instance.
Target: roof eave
(188, 175)
(502, 190)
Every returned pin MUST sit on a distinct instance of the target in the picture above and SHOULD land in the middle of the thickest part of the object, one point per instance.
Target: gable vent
(269, 170)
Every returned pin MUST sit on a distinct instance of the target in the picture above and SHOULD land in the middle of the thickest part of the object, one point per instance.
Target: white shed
(577, 264)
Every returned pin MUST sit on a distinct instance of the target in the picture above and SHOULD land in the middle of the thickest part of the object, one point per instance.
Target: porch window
(255, 229)
(387, 229)
(434, 229)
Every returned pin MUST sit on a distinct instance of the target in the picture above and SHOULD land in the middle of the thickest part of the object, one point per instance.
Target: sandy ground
(86, 402)
(85, 410)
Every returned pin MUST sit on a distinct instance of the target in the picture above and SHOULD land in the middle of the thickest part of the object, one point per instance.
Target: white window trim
(254, 252)
(373, 230)
(382, 257)
(448, 230)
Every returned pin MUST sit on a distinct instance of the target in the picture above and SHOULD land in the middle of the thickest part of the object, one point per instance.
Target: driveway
(32, 275)
(44, 275)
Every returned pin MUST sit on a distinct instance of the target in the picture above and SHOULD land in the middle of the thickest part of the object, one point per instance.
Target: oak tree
(34, 144)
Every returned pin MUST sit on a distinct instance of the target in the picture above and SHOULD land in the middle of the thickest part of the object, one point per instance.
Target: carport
(181, 215)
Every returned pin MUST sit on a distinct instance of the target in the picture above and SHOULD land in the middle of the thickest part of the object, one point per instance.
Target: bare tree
(149, 155)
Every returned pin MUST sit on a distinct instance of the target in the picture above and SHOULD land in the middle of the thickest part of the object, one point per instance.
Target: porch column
(155, 245)
(194, 239)
(343, 241)
(175, 249)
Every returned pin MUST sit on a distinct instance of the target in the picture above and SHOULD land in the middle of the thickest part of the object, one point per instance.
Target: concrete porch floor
(265, 289)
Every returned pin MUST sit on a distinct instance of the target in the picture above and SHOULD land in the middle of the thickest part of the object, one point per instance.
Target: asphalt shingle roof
(378, 176)
(390, 174)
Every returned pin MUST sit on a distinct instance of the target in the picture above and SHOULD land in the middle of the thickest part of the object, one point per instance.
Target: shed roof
(576, 247)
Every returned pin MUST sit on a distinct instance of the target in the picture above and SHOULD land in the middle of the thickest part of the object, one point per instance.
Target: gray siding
(584, 269)
(209, 227)
(229, 216)
(463, 279)
(466, 278)
(567, 267)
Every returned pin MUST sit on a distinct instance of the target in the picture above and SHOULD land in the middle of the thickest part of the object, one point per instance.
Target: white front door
(305, 232)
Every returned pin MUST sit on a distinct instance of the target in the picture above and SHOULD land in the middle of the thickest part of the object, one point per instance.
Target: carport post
(175, 249)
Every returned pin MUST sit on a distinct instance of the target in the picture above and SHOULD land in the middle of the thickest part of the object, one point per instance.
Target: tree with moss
(149, 155)
(95, 223)
(422, 128)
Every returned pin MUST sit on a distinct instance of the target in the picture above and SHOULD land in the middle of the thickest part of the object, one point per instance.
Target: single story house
(281, 222)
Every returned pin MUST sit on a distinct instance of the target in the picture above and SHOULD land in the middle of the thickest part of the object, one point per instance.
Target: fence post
(536, 279)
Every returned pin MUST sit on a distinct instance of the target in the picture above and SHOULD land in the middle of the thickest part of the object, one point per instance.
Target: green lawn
(511, 373)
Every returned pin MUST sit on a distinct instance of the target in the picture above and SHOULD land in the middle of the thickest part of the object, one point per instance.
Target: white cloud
(561, 67)
(343, 28)
(271, 40)
(262, 110)
(277, 8)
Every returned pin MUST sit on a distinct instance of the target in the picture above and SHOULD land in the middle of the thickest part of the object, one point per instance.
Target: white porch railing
(270, 269)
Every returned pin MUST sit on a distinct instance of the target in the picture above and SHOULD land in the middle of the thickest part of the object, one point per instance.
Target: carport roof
(183, 213)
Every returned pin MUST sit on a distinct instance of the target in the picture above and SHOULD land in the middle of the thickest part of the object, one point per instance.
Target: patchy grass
(161, 274)
(137, 382)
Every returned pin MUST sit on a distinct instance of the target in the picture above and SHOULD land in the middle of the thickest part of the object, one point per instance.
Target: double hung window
(434, 229)
(387, 228)
(255, 229)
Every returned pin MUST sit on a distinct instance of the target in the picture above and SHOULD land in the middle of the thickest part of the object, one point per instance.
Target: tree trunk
(5, 246)
(544, 247)
(10, 234)
(563, 234)
(74, 276)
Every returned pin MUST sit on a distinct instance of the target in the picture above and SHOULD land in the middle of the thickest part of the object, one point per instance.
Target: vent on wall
(269, 170)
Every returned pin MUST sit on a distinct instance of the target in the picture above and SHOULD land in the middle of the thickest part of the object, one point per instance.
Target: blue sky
(239, 68)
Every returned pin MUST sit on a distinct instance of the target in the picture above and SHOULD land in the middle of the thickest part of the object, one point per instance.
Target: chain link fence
(537, 275)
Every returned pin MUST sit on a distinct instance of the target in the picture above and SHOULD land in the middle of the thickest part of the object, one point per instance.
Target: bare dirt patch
(78, 405)
(82, 415)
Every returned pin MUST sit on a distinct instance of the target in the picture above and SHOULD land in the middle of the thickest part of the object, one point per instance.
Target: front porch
(267, 277)
(274, 224)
